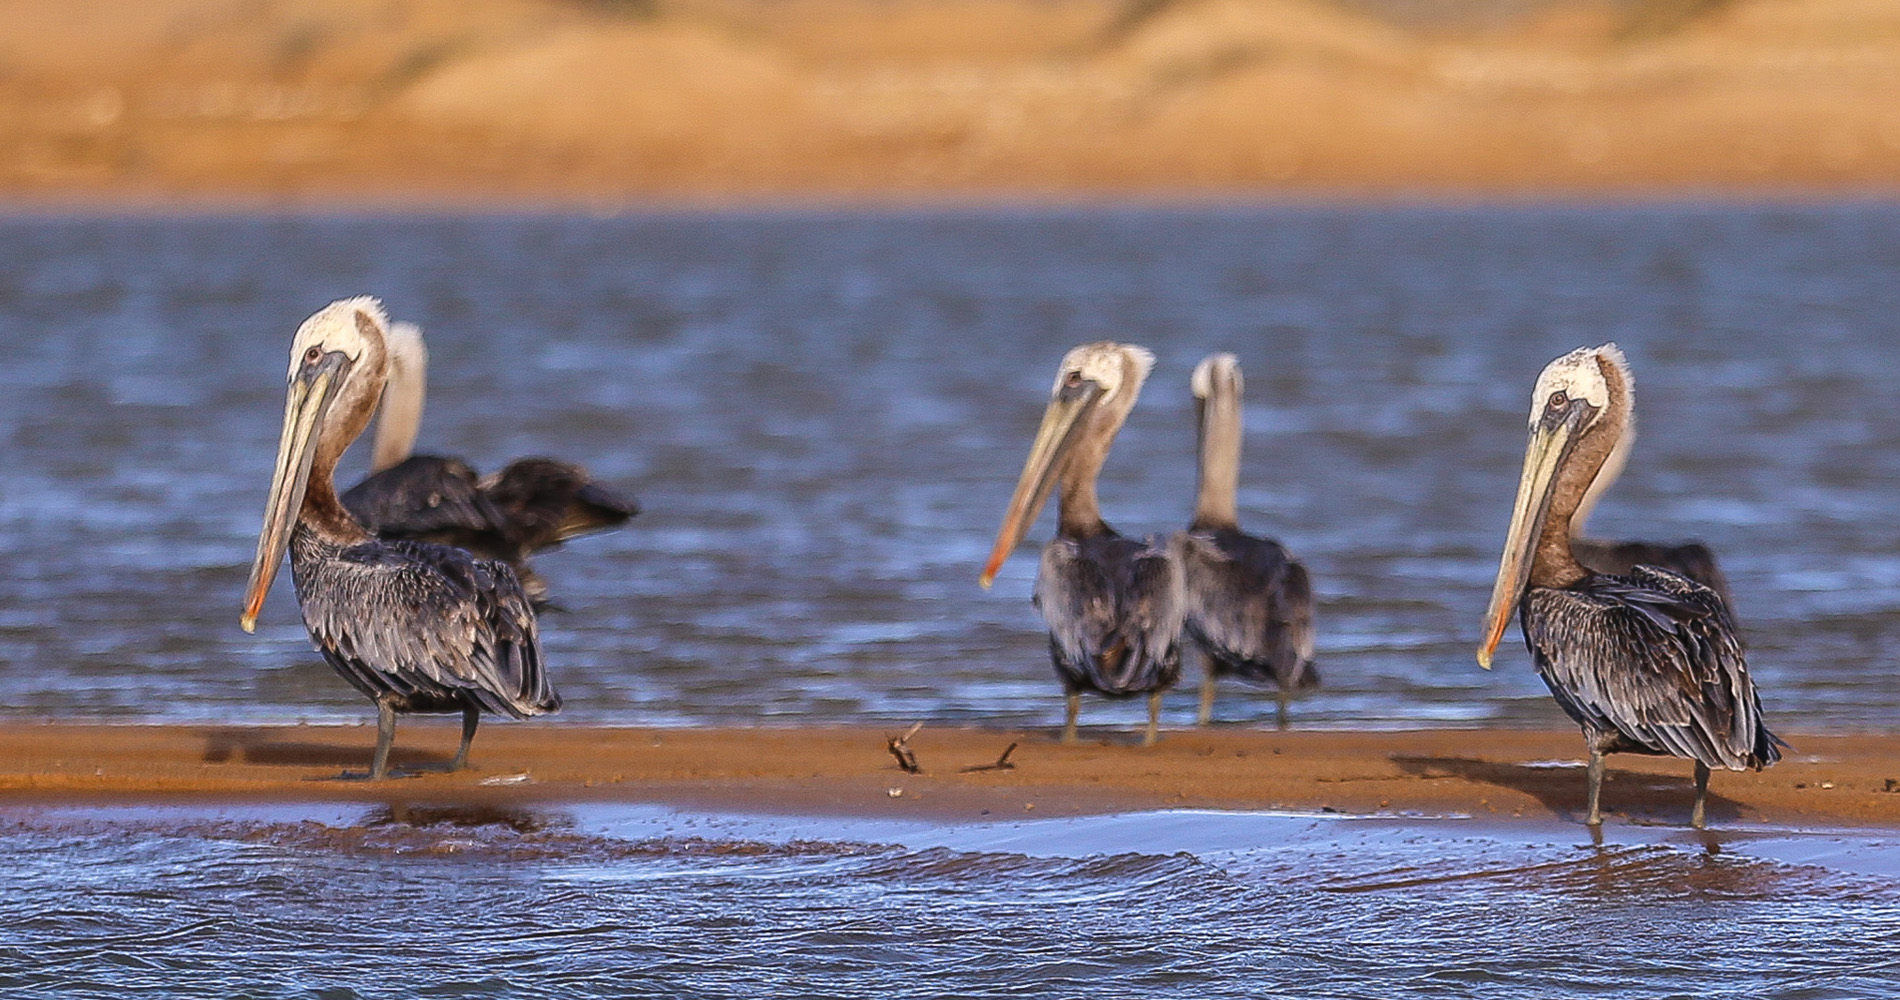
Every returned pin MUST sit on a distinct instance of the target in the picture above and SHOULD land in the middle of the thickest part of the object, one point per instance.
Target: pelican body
(533, 505)
(1113, 604)
(418, 628)
(1647, 662)
(1249, 604)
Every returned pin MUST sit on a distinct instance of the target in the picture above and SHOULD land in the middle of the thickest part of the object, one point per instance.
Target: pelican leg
(1279, 714)
(1074, 709)
(1154, 719)
(385, 738)
(1595, 818)
(1207, 699)
(471, 718)
(1696, 818)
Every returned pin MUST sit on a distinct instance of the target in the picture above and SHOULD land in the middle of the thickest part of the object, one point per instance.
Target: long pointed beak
(305, 407)
(1549, 445)
(1054, 439)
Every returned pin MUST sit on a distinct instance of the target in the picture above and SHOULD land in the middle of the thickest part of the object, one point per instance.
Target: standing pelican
(1249, 603)
(1113, 604)
(416, 627)
(1647, 662)
(532, 505)
(1690, 559)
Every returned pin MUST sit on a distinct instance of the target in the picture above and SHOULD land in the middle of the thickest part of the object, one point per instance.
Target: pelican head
(1216, 373)
(338, 365)
(1095, 388)
(1579, 412)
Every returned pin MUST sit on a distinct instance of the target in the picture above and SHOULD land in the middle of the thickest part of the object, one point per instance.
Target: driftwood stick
(1002, 763)
(900, 748)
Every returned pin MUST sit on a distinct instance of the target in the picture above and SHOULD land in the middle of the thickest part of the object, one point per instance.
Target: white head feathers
(338, 327)
(1224, 366)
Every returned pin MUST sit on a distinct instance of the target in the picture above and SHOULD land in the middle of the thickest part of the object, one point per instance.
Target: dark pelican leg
(385, 738)
(1074, 709)
(1701, 794)
(1279, 714)
(471, 718)
(1207, 698)
(1595, 818)
(1154, 719)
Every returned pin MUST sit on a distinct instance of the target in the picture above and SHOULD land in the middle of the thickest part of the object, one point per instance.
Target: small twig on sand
(900, 748)
(1002, 763)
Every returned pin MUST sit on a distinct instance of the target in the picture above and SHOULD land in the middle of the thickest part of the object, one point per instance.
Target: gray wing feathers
(430, 624)
(1113, 607)
(1250, 607)
(1652, 656)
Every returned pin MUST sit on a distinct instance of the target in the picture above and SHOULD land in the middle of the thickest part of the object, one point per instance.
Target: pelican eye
(1559, 399)
(313, 355)
(1074, 379)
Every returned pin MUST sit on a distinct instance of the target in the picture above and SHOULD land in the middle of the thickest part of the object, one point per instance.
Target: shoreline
(146, 205)
(1841, 781)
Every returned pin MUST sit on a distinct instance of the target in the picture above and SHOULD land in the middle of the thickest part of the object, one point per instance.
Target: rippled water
(633, 901)
(823, 415)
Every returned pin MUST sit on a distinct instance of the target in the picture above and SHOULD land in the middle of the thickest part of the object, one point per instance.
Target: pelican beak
(312, 390)
(1057, 435)
(1551, 439)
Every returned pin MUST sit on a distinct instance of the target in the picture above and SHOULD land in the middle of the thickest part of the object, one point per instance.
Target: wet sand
(1827, 781)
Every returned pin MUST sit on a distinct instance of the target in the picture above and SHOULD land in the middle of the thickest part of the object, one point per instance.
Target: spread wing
(1113, 606)
(543, 502)
(429, 623)
(1653, 656)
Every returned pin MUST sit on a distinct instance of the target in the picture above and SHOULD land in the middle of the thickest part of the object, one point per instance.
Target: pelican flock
(407, 589)
(416, 627)
(1113, 604)
(532, 505)
(1249, 604)
(1647, 662)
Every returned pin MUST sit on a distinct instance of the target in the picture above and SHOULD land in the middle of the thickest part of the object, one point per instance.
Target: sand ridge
(601, 102)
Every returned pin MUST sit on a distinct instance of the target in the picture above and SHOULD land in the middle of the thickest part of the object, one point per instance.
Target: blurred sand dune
(603, 100)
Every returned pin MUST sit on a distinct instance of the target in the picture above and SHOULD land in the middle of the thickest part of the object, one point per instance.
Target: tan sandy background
(604, 102)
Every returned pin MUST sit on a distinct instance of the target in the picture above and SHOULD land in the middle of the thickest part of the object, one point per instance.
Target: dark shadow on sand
(250, 747)
(1564, 790)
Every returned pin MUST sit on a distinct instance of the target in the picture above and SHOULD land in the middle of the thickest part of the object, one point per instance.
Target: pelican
(1690, 559)
(416, 627)
(1113, 604)
(1646, 662)
(1249, 603)
(532, 505)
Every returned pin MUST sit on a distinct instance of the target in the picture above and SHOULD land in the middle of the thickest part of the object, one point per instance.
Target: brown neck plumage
(1555, 565)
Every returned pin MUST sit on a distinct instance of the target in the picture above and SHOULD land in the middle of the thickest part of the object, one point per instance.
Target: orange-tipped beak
(305, 407)
(1053, 441)
(1549, 445)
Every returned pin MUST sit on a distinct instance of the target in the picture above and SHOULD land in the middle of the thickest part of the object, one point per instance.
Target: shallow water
(646, 901)
(823, 415)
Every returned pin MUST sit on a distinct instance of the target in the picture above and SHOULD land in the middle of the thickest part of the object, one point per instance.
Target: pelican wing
(1652, 656)
(543, 502)
(429, 623)
(1249, 605)
(1113, 606)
